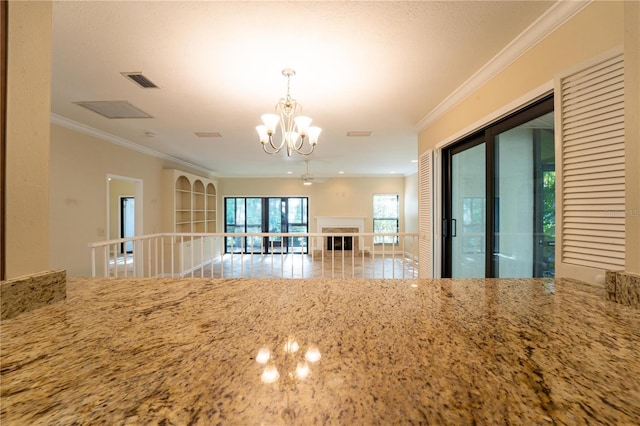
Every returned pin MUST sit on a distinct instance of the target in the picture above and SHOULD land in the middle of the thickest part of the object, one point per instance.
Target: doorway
(499, 199)
(127, 222)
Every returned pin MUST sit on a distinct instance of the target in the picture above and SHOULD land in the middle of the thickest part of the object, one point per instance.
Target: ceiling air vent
(359, 133)
(114, 109)
(208, 134)
(140, 80)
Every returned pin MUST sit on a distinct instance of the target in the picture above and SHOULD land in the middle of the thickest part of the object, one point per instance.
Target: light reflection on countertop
(184, 351)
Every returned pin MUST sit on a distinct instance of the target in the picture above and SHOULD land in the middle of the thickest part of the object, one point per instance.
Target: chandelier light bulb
(292, 137)
(270, 122)
(313, 133)
(302, 123)
(262, 132)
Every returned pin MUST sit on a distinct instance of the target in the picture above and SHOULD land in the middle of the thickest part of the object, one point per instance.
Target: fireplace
(339, 242)
(341, 226)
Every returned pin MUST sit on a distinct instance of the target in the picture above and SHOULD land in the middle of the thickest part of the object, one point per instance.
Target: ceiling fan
(307, 178)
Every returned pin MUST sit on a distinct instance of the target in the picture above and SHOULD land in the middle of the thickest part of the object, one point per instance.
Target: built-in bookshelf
(182, 200)
(210, 208)
(191, 203)
(190, 206)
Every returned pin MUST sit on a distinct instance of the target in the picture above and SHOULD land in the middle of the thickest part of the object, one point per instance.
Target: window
(385, 218)
(266, 215)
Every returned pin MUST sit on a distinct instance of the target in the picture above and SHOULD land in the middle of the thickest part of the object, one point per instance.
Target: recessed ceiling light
(359, 133)
(289, 173)
(340, 172)
(392, 172)
(414, 161)
(208, 134)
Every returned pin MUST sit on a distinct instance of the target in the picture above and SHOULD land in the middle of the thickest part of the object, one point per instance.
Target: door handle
(454, 228)
(445, 228)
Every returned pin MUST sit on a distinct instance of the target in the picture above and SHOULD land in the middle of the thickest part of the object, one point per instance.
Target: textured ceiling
(376, 66)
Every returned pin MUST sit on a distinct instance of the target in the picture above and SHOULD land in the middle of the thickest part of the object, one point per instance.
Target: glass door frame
(283, 246)
(486, 135)
(449, 225)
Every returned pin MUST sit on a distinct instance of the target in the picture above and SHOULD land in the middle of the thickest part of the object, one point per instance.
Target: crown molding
(554, 17)
(108, 137)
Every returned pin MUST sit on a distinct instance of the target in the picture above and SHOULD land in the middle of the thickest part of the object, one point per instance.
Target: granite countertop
(183, 351)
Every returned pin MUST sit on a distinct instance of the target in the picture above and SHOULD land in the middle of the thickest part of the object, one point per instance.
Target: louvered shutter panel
(593, 171)
(425, 215)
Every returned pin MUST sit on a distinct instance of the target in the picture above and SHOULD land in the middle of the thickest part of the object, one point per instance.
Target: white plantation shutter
(425, 214)
(593, 172)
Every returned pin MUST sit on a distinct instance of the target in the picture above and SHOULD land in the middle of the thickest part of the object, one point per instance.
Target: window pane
(295, 210)
(385, 206)
(254, 213)
(523, 230)
(239, 211)
(385, 217)
(231, 211)
(275, 216)
(385, 225)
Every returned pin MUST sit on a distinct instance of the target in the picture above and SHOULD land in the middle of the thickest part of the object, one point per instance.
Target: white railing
(258, 255)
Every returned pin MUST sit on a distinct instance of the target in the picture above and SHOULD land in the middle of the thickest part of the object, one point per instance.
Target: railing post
(93, 262)
(143, 266)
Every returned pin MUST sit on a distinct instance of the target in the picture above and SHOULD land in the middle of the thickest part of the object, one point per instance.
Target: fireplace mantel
(323, 223)
(340, 222)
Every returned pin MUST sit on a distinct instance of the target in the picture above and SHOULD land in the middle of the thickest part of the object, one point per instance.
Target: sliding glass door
(266, 215)
(499, 199)
(464, 223)
(524, 230)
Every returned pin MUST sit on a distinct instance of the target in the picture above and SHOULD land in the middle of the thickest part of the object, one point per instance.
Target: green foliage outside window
(385, 217)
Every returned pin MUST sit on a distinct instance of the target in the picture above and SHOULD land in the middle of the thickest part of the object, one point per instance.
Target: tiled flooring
(294, 266)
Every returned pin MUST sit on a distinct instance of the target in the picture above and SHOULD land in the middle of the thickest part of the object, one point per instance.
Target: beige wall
(594, 30)
(598, 28)
(27, 156)
(334, 197)
(78, 194)
(81, 163)
(411, 203)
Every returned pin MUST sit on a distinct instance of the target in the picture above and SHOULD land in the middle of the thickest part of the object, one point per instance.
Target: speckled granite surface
(23, 294)
(623, 287)
(393, 352)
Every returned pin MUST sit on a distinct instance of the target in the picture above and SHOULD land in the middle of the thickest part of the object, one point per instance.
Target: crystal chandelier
(295, 128)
